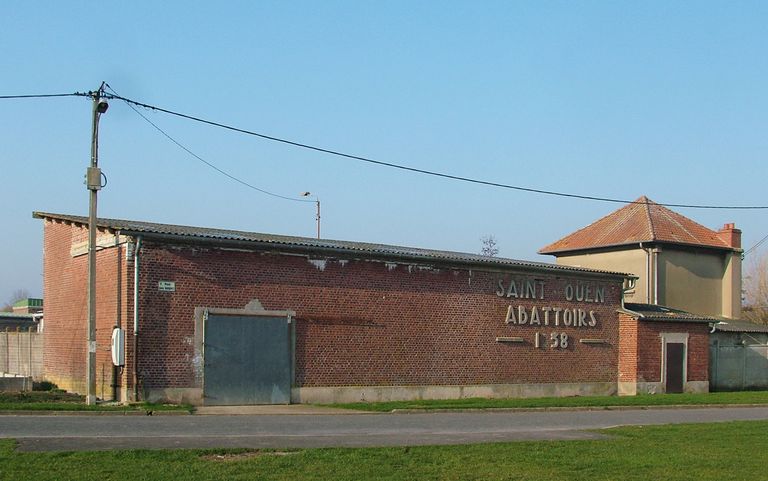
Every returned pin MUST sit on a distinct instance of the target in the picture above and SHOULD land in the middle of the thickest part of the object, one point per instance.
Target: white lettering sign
(585, 292)
(550, 316)
(521, 288)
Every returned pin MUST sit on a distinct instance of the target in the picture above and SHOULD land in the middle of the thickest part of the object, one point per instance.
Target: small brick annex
(370, 322)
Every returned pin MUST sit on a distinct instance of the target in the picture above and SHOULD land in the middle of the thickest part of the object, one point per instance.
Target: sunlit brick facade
(368, 322)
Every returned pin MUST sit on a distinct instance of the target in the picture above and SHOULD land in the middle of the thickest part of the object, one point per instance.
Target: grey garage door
(247, 360)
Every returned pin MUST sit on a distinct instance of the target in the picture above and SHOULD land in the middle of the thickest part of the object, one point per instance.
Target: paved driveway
(57, 433)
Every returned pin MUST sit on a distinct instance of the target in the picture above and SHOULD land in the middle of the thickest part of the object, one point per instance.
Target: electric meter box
(118, 347)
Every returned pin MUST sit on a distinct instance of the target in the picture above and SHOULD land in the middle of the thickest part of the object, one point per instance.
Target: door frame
(673, 338)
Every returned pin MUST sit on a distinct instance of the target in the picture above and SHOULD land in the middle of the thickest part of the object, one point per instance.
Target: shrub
(44, 386)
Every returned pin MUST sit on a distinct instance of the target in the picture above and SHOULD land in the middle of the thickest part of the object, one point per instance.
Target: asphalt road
(67, 433)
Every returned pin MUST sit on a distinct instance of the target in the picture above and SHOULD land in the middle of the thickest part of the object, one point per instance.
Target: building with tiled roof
(211, 316)
(679, 263)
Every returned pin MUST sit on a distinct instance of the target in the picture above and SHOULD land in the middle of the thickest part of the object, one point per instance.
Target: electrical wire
(209, 164)
(42, 96)
(417, 170)
(751, 249)
(132, 103)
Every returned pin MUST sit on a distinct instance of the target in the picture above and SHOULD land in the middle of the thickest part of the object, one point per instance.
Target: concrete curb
(277, 410)
(577, 408)
(91, 413)
(298, 410)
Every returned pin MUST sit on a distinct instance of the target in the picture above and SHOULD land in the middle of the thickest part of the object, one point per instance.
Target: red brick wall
(66, 314)
(698, 352)
(367, 323)
(649, 340)
(628, 348)
(359, 322)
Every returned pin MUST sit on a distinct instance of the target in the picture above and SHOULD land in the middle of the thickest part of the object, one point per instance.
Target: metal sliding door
(247, 360)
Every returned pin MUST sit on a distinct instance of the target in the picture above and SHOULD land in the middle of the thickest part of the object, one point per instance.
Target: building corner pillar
(628, 356)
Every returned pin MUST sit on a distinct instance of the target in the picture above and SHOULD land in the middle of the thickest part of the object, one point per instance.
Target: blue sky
(614, 99)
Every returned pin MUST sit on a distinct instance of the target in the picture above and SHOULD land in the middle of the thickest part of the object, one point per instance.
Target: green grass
(717, 398)
(40, 397)
(732, 451)
(62, 401)
(59, 401)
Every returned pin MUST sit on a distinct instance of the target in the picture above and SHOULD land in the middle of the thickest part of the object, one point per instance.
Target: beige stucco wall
(631, 261)
(705, 282)
(701, 282)
(732, 291)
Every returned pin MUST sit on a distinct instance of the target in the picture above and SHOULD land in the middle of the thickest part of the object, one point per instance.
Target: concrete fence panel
(21, 354)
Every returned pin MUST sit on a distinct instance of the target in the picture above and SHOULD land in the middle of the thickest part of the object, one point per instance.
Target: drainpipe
(655, 251)
(630, 286)
(136, 319)
(647, 273)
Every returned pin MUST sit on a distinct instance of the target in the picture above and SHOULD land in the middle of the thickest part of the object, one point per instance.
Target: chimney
(730, 235)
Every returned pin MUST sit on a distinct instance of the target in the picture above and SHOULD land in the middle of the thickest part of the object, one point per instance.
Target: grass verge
(733, 451)
(62, 401)
(716, 398)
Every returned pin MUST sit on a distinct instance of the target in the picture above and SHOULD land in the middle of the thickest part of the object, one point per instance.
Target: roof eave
(685, 320)
(578, 250)
(491, 264)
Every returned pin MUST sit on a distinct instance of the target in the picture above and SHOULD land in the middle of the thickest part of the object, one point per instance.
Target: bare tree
(489, 246)
(17, 295)
(756, 290)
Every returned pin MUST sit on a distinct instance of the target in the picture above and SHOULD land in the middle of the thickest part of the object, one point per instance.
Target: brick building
(228, 317)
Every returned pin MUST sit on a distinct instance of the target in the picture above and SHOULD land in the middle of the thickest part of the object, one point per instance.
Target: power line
(114, 95)
(42, 96)
(751, 249)
(417, 170)
(209, 164)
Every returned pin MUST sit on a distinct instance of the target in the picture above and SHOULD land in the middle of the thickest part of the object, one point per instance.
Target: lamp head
(102, 105)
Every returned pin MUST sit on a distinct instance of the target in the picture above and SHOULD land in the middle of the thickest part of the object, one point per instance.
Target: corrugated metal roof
(306, 244)
(740, 326)
(641, 221)
(652, 312)
(14, 315)
(10, 321)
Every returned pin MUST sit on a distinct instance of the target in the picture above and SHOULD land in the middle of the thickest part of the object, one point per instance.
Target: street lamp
(93, 183)
(317, 203)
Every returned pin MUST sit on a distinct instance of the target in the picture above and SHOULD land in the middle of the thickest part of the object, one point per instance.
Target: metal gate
(247, 359)
(739, 367)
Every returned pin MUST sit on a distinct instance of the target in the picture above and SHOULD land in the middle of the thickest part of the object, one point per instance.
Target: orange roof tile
(641, 221)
